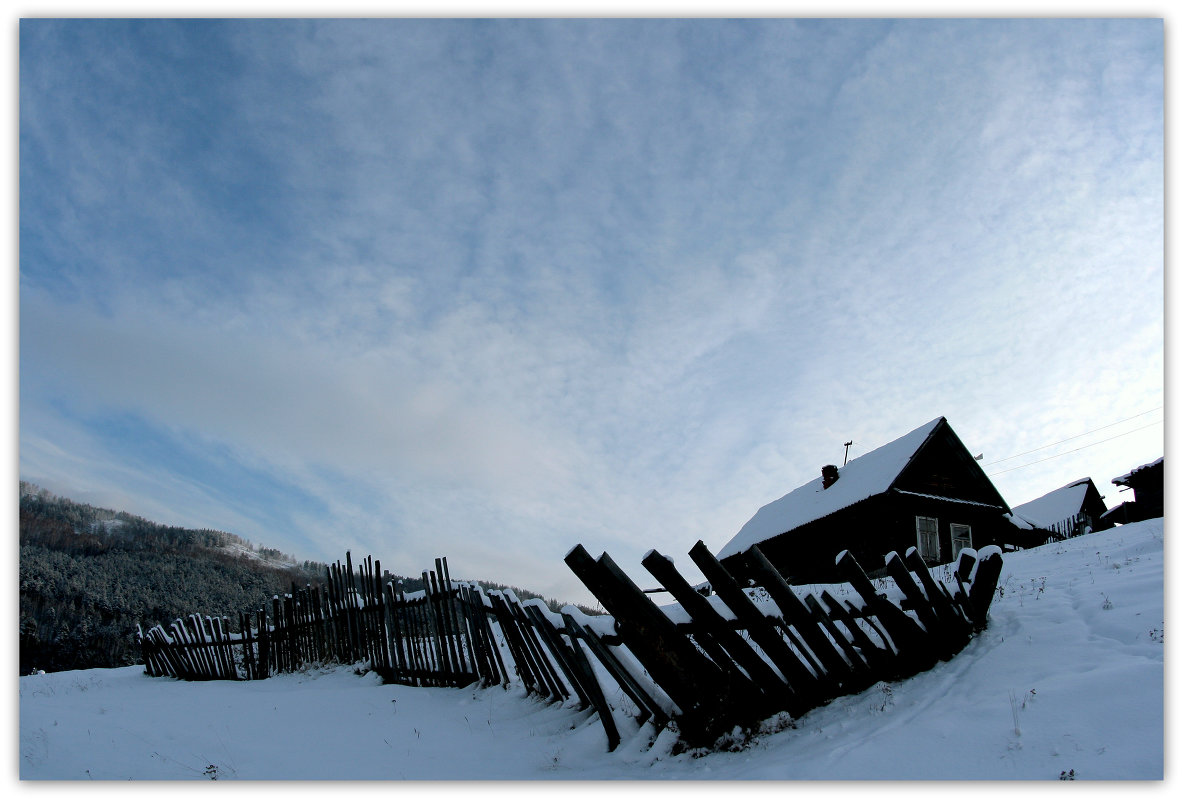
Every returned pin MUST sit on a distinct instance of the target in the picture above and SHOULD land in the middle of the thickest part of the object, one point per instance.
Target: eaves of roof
(949, 500)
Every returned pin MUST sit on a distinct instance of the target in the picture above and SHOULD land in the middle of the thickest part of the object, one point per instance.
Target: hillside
(89, 575)
(1065, 683)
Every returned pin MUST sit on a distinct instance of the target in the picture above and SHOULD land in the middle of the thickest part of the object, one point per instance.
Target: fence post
(694, 683)
(647, 707)
(757, 683)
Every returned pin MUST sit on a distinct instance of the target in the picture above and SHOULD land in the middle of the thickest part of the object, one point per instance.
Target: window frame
(936, 538)
(968, 539)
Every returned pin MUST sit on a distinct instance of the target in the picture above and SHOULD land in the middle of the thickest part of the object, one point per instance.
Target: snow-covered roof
(869, 474)
(1058, 505)
(1124, 479)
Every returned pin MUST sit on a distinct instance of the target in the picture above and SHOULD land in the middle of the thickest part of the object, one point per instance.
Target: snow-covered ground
(1067, 681)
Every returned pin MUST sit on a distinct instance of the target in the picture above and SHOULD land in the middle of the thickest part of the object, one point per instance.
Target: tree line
(89, 575)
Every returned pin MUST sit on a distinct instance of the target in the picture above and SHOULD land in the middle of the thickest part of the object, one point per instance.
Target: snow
(1067, 677)
(247, 552)
(945, 498)
(869, 474)
(1124, 479)
(106, 526)
(1057, 506)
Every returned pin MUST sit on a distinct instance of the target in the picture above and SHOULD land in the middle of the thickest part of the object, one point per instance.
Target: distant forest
(88, 576)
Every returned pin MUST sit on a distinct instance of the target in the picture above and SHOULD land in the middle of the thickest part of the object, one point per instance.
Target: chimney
(829, 475)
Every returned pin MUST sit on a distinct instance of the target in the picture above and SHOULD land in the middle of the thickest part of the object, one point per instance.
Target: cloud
(496, 287)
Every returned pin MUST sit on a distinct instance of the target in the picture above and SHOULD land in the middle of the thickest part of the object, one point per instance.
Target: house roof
(1056, 506)
(868, 475)
(1125, 480)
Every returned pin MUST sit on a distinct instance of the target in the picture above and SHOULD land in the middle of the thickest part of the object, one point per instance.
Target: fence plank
(581, 673)
(860, 674)
(544, 670)
(465, 647)
(562, 653)
(914, 652)
(482, 659)
(759, 685)
(446, 618)
(481, 619)
(694, 683)
(985, 581)
(646, 706)
(877, 658)
(801, 683)
(831, 667)
(956, 626)
(525, 665)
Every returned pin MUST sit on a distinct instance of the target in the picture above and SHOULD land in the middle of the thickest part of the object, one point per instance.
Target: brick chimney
(829, 475)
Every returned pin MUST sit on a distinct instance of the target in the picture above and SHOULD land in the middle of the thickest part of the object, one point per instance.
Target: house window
(962, 537)
(927, 542)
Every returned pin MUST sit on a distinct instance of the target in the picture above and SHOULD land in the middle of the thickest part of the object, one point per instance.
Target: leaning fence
(754, 646)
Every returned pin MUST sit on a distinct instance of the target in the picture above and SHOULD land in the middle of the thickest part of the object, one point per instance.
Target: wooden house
(1147, 483)
(1073, 509)
(923, 490)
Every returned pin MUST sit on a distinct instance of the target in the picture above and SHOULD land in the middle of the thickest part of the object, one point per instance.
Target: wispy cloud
(495, 287)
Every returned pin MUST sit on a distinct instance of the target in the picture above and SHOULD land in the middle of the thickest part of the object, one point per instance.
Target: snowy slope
(1067, 678)
(245, 551)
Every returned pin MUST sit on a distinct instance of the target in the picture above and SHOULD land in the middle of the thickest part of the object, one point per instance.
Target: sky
(489, 289)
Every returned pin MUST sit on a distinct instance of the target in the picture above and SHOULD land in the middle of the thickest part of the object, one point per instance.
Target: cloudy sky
(490, 289)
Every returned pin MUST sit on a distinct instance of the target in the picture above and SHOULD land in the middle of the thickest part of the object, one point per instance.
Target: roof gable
(871, 474)
(944, 468)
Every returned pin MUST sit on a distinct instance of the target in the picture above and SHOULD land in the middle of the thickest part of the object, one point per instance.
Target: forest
(89, 576)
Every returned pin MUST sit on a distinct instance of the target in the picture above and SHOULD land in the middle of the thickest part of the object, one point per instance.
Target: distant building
(1074, 509)
(924, 490)
(1147, 483)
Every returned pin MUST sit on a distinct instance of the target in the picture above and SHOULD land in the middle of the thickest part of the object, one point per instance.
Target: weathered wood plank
(759, 684)
(563, 654)
(833, 669)
(878, 658)
(802, 684)
(694, 683)
(591, 686)
(647, 707)
(941, 638)
(490, 638)
(524, 663)
(914, 651)
(985, 582)
(860, 674)
(538, 651)
(464, 645)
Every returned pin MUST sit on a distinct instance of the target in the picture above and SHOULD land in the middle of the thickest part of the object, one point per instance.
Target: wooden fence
(750, 649)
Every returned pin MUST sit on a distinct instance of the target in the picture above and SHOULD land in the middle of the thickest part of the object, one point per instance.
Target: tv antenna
(845, 455)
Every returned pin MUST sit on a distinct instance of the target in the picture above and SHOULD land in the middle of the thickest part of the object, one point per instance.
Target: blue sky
(488, 289)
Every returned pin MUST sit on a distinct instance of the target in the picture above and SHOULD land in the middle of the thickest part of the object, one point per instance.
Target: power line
(1076, 436)
(1074, 450)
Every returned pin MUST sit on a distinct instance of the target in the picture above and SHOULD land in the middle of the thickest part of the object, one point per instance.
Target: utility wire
(1074, 450)
(1076, 436)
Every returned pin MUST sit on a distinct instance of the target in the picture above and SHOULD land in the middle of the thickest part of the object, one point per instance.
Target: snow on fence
(753, 648)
